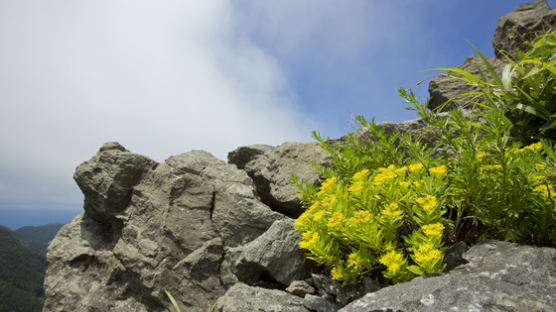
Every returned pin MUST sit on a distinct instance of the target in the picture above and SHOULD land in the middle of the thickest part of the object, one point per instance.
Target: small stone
(319, 304)
(300, 288)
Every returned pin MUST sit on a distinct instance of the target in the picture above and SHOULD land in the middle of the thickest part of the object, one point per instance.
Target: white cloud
(160, 77)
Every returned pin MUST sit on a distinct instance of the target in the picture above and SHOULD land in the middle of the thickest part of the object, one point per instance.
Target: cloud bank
(160, 77)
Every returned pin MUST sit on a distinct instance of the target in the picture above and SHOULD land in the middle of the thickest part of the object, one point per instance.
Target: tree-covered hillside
(21, 275)
(37, 238)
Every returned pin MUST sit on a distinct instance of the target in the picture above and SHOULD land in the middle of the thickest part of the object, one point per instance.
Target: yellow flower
(300, 221)
(535, 147)
(356, 187)
(491, 167)
(393, 261)
(539, 166)
(337, 273)
(361, 175)
(313, 207)
(361, 217)
(392, 210)
(328, 186)
(329, 201)
(427, 254)
(383, 177)
(405, 184)
(439, 171)
(546, 190)
(354, 260)
(428, 202)
(540, 177)
(336, 219)
(390, 168)
(308, 239)
(481, 154)
(434, 229)
(317, 216)
(417, 183)
(401, 170)
(415, 167)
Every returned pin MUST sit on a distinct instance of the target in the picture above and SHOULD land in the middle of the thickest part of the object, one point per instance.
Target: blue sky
(170, 76)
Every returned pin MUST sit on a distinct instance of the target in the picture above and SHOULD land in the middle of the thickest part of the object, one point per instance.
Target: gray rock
(243, 298)
(244, 154)
(274, 254)
(108, 179)
(271, 174)
(300, 288)
(443, 88)
(150, 227)
(319, 304)
(522, 25)
(500, 276)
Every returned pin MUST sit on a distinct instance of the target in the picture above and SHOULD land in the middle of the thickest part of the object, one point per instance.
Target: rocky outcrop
(149, 227)
(271, 170)
(522, 25)
(499, 276)
(275, 254)
(443, 88)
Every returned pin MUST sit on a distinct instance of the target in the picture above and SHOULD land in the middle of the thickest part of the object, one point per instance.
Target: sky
(169, 76)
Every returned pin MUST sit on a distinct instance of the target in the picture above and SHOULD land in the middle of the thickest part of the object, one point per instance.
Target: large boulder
(149, 227)
(499, 276)
(275, 254)
(443, 88)
(521, 25)
(271, 172)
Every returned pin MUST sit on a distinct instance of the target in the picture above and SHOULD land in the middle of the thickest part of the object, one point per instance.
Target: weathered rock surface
(522, 25)
(243, 298)
(443, 88)
(271, 172)
(149, 227)
(500, 276)
(275, 254)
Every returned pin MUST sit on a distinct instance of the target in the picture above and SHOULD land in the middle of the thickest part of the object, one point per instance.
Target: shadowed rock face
(270, 168)
(500, 276)
(522, 25)
(149, 227)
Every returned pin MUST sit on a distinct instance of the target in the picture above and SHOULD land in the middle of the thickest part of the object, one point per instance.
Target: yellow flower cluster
(328, 186)
(546, 190)
(336, 219)
(309, 238)
(439, 171)
(428, 202)
(491, 167)
(354, 260)
(361, 217)
(535, 147)
(337, 273)
(481, 154)
(384, 175)
(392, 210)
(405, 184)
(427, 254)
(434, 229)
(415, 167)
(393, 261)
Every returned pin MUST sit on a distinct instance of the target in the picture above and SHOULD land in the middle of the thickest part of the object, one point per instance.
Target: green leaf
(472, 78)
(174, 303)
(489, 67)
(415, 270)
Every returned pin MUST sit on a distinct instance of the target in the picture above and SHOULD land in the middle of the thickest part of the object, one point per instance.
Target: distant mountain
(21, 275)
(37, 238)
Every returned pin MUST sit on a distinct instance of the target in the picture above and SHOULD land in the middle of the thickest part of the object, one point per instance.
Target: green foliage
(21, 275)
(525, 90)
(37, 238)
(390, 203)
